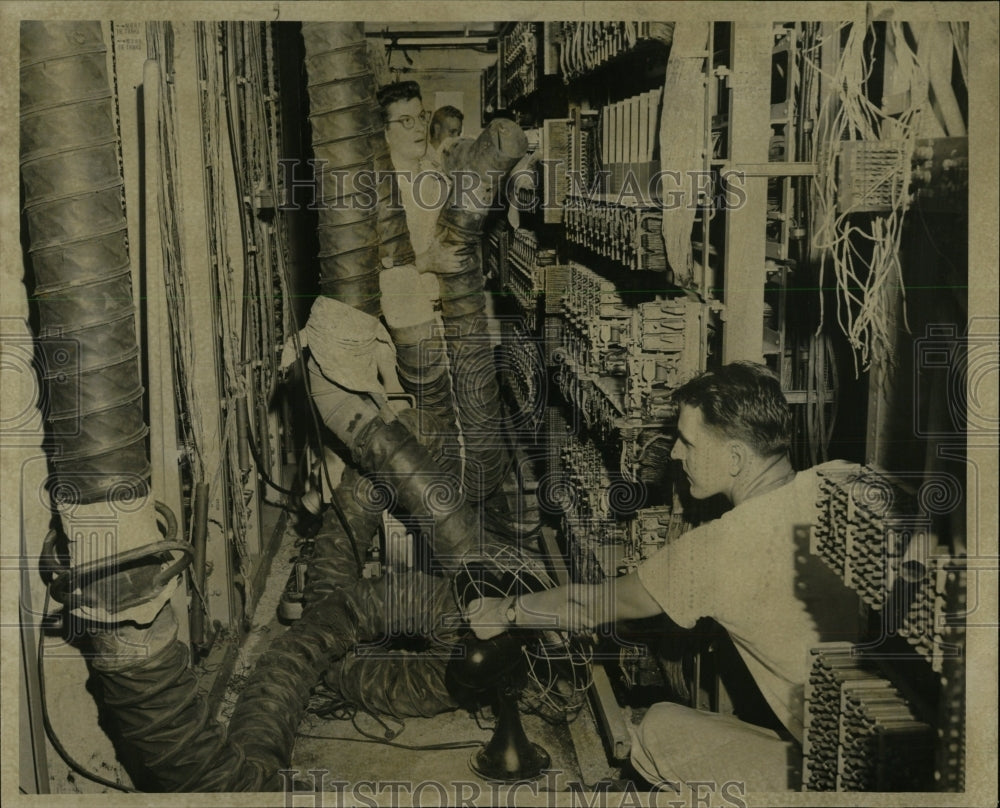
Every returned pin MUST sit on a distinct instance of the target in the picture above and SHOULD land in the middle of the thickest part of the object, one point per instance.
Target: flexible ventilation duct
(73, 205)
(79, 253)
(395, 682)
(346, 134)
(154, 694)
(144, 671)
(421, 487)
(157, 706)
(480, 164)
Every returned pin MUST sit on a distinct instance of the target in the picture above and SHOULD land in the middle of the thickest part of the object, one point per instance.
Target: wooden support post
(138, 84)
(163, 449)
(935, 50)
(200, 299)
(750, 132)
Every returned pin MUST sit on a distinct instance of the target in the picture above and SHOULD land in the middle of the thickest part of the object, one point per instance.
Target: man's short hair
(743, 400)
(397, 91)
(446, 111)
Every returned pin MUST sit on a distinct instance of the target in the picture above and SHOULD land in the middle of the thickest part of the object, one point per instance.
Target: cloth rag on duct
(352, 348)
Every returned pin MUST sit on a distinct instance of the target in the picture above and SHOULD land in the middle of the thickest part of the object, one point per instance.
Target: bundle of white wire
(865, 289)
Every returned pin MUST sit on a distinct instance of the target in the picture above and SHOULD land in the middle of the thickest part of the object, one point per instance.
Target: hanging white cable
(864, 283)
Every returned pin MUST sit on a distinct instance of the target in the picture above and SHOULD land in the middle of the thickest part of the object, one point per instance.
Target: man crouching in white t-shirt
(747, 570)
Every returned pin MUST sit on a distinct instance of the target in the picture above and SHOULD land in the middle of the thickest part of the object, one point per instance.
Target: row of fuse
(590, 297)
(603, 549)
(523, 372)
(586, 474)
(629, 235)
(593, 511)
(866, 530)
(591, 523)
(526, 271)
(599, 406)
(519, 48)
(664, 353)
(593, 358)
(650, 530)
(935, 603)
(523, 278)
(861, 532)
(597, 324)
(860, 733)
(654, 346)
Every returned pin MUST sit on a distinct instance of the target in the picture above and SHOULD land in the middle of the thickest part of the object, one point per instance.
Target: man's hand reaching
(486, 617)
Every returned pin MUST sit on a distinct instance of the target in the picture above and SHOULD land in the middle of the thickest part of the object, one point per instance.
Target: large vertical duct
(79, 253)
(395, 247)
(346, 135)
(341, 112)
(476, 168)
(73, 198)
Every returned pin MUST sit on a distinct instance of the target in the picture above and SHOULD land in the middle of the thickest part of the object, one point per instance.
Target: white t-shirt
(752, 572)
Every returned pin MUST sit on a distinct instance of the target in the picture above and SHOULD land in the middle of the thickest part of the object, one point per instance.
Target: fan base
(527, 762)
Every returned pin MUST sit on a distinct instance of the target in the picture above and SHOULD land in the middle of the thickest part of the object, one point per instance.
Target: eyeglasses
(408, 121)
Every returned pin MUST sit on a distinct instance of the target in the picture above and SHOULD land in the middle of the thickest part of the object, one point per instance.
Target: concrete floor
(428, 771)
(337, 755)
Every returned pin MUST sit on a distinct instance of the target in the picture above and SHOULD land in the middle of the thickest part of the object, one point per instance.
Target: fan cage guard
(558, 664)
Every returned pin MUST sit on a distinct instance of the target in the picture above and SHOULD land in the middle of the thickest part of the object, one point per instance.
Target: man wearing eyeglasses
(423, 192)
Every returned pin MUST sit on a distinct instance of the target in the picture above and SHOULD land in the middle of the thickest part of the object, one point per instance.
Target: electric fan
(542, 671)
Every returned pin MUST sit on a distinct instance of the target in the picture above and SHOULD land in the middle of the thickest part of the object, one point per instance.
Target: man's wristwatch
(510, 613)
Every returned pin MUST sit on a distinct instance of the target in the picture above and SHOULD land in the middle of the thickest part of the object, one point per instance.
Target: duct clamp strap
(134, 583)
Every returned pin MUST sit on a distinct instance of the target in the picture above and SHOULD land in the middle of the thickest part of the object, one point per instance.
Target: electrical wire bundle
(232, 305)
(588, 45)
(239, 141)
(863, 251)
(188, 403)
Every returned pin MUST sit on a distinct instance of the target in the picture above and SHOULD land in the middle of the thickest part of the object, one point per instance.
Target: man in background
(445, 123)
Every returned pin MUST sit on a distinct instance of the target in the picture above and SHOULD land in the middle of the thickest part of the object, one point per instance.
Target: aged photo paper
(194, 101)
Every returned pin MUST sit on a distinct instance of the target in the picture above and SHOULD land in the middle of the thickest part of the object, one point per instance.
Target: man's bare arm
(573, 607)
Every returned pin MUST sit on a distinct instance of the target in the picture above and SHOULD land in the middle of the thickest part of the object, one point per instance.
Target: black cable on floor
(50, 730)
(412, 747)
(260, 469)
(339, 710)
